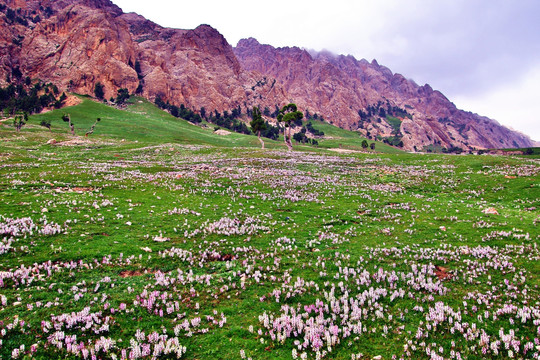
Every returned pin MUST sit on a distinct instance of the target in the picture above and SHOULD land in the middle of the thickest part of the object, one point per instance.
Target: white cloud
(516, 106)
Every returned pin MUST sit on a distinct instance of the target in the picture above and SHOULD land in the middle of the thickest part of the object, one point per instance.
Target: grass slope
(336, 137)
(144, 122)
(202, 249)
(141, 121)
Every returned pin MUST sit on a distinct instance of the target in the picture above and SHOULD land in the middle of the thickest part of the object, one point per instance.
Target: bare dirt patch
(132, 273)
(78, 190)
(346, 151)
(72, 100)
(82, 141)
(443, 273)
(222, 132)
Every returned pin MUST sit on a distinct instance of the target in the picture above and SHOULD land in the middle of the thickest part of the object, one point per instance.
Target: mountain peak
(249, 42)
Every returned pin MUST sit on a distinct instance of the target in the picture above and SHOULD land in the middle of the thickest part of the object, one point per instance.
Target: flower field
(126, 250)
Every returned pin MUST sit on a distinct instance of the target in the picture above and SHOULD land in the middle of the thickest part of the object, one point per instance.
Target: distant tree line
(232, 120)
(309, 116)
(24, 17)
(300, 137)
(14, 16)
(29, 97)
(391, 114)
(274, 114)
(270, 132)
(122, 94)
(178, 111)
(452, 150)
(393, 140)
(381, 110)
(229, 121)
(438, 148)
(315, 132)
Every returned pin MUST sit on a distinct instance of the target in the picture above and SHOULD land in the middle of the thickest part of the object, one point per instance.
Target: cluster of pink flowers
(50, 229)
(26, 275)
(284, 243)
(387, 188)
(158, 303)
(6, 246)
(153, 346)
(179, 255)
(511, 170)
(356, 301)
(183, 211)
(505, 234)
(16, 327)
(295, 195)
(315, 300)
(12, 229)
(331, 237)
(228, 227)
(17, 227)
(443, 318)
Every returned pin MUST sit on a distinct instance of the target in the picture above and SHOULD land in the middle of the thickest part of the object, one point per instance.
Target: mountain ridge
(78, 43)
(434, 118)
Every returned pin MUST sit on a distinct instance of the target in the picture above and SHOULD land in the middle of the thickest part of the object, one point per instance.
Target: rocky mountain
(78, 43)
(340, 87)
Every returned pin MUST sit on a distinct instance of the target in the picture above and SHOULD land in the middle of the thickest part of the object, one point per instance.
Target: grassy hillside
(142, 121)
(335, 137)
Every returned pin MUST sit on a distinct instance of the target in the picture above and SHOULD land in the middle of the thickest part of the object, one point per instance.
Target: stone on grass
(491, 211)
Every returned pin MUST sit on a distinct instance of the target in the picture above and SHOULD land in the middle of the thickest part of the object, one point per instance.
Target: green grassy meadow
(156, 238)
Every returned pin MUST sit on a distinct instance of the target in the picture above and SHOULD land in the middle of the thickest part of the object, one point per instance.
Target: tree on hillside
(364, 144)
(20, 120)
(46, 123)
(257, 124)
(122, 96)
(98, 91)
(67, 119)
(372, 146)
(91, 131)
(289, 114)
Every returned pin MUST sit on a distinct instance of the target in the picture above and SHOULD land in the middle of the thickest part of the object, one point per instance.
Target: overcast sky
(484, 55)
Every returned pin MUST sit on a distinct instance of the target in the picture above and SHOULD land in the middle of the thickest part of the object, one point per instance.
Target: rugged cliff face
(196, 68)
(72, 44)
(78, 43)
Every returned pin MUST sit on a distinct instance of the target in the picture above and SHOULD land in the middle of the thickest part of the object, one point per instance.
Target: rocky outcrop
(78, 43)
(74, 45)
(196, 68)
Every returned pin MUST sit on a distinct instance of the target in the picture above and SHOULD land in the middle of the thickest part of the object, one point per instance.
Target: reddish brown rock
(82, 43)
